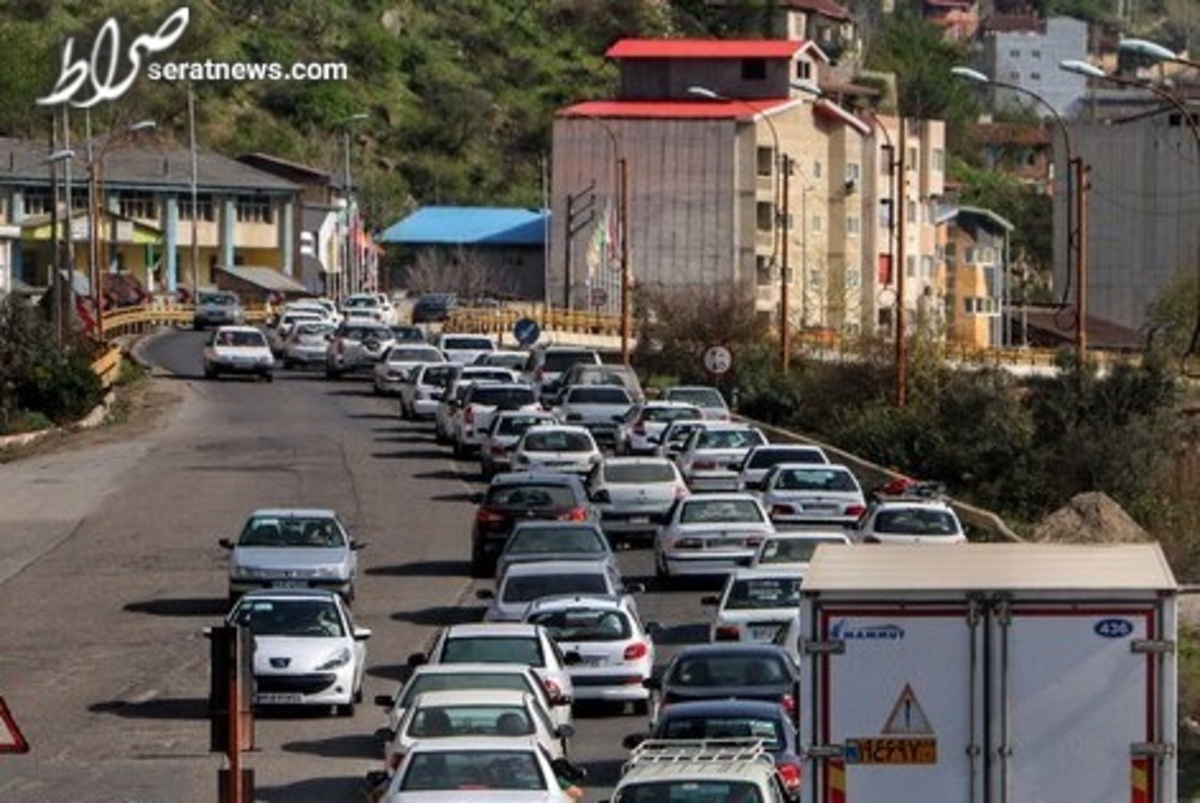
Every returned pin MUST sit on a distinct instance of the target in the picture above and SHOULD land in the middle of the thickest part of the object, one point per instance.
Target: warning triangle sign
(11, 740)
(907, 717)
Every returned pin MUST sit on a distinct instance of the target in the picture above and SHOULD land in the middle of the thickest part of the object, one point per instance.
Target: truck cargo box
(989, 673)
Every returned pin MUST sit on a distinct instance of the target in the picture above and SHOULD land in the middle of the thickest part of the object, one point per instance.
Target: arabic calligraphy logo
(101, 70)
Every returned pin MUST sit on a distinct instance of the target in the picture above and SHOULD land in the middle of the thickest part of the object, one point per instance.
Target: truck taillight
(790, 775)
(726, 633)
(574, 514)
(789, 704)
(636, 650)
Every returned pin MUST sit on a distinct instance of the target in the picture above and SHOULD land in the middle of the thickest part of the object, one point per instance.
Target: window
(852, 171)
(1016, 54)
(765, 212)
(253, 210)
(1014, 76)
(136, 205)
(913, 158)
(975, 305)
(816, 169)
(818, 224)
(754, 69)
(1035, 76)
(926, 267)
(912, 210)
(939, 160)
(969, 255)
(910, 267)
(762, 270)
(852, 225)
(766, 161)
(38, 202)
(203, 202)
(1035, 54)
(803, 70)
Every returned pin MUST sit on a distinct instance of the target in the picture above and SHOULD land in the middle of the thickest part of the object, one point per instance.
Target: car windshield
(916, 521)
(584, 624)
(283, 617)
(814, 479)
(490, 374)
(765, 458)
(313, 329)
(701, 397)
(558, 361)
(723, 727)
(218, 299)
(530, 496)
(472, 343)
(292, 531)
(557, 440)
(452, 681)
(445, 770)
(727, 669)
(240, 338)
(499, 396)
(690, 791)
(638, 473)
(598, 394)
(470, 720)
(670, 413)
(414, 354)
(528, 540)
(794, 550)
(763, 592)
(728, 439)
(493, 650)
(528, 587)
(696, 511)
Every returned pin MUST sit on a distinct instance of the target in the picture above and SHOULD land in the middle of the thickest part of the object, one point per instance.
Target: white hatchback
(754, 604)
(238, 350)
(563, 448)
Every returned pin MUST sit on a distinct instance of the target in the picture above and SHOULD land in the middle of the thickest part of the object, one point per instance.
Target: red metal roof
(705, 48)
(674, 109)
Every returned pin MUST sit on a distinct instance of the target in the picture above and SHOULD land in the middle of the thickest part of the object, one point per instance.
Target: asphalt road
(109, 569)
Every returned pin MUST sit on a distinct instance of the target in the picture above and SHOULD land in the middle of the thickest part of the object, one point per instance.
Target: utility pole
(1082, 187)
(581, 211)
(56, 285)
(785, 279)
(69, 307)
(901, 269)
(194, 190)
(626, 273)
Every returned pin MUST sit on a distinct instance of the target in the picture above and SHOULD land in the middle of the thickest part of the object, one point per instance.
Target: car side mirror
(417, 659)
(567, 771)
(227, 543)
(385, 700)
(634, 588)
(362, 633)
(564, 731)
(653, 627)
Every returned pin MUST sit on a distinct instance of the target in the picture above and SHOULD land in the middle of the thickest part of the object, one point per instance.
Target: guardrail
(108, 366)
(498, 320)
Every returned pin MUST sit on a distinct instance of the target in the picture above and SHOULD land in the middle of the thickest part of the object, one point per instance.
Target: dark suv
(519, 496)
(433, 307)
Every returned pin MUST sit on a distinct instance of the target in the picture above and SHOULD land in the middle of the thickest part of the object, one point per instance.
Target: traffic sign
(11, 740)
(599, 296)
(526, 331)
(718, 360)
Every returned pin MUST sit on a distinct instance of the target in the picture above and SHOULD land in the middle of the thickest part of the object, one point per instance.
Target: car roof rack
(658, 751)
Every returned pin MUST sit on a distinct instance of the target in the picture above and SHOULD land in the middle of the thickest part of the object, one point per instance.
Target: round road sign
(526, 331)
(718, 360)
(599, 296)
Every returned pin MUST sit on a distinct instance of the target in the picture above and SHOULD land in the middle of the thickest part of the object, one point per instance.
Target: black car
(434, 307)
(726, 671)
(518, 496)
(733, 720)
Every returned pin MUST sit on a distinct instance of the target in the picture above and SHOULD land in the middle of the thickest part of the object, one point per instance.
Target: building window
(1016, 54)
(253, 210)
(762, 270)
(969, 255)
(136, 205)
(1014, 76)
(910, 266)
(764, 213)
(1035, 54)
(976, 305)
(852, 225)
(203, 202)
(754, 69)
(804, 70)
(816, 169)
(926, 267)
(912, 210)
(1035, 76)
(766, 161)
(939, 160)
(818, 224)
(852, 172)
(951, 252)
(38, 202)
(913, 156)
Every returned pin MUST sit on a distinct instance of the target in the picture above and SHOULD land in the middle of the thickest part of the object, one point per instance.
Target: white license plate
(819, 508)
(592, 660)
(763, 633)
(289, 584)
(639, 519)
(278, 699)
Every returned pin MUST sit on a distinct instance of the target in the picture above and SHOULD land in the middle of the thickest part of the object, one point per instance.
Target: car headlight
(337, 660)
(327, 571)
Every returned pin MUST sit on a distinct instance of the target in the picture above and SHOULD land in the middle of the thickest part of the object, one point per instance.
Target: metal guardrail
(108, 366)
(498, 320)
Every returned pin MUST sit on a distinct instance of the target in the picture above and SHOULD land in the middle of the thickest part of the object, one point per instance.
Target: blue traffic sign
(526, 331)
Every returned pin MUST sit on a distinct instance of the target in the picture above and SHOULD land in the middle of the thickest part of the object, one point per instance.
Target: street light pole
(901, 270)
(194, 188)
(349, 279)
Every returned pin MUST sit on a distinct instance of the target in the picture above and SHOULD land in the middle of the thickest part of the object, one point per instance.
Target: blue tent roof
(468, 225)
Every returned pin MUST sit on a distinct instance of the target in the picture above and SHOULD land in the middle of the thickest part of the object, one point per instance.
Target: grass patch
(26, 422)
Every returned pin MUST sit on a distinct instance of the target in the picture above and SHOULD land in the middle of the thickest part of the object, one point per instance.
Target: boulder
(1090, 518)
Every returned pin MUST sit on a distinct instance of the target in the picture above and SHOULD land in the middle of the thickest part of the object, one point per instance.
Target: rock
(1090, 518)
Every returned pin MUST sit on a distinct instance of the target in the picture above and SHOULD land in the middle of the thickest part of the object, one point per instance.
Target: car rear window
(718, 727)
(527, 588)
(502, 396)
(238, 338)
(727, 669)
(467, 343)
(584, 624)
(752, 593)
(724, 511)
(515, 425)
(470, 720)
(414, 354)
(558, 441)
(765, 458)
(439, 374)
(815, 479)
(558, 361)
(671, 413)
(912, 521)
(465, 680)
(366, 332)
(530, 540)
(639, 472)
(598, 394)
(493, 650)
(283, 617)
(530, 496)
(702, 397)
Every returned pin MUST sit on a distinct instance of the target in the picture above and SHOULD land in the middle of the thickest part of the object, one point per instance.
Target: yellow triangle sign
(907, 717)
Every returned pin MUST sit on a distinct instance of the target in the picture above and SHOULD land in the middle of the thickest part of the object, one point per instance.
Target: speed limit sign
(718, 360)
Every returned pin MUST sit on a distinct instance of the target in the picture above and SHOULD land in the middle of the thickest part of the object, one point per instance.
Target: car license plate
(289, 584)
(818, 508)
(639, 519)
(592, 660)
(764, 632)
(727, 543)
(277, 698)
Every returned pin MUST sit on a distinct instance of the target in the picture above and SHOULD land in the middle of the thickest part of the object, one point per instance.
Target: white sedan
(797, 494)
(556, 448)
(398, 361)
(238, 350)
(307, 649)
(755, 604)
(712, 457)
(711, 534)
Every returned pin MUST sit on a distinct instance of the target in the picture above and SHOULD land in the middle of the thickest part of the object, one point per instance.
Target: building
(144, 220)
(1020, 50)
(472, 251)
(705, 130)
(958, 19)
(975, 281)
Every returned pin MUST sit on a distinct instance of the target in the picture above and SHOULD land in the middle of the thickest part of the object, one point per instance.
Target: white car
(711, 534)
(712, 455)
(798, 494)
(708, 399)
(238, 350)
(369, 307)
(676, 433)
(792, 550)
(760, 458)
(396, 363)
(482, 403)
(634, 494)
(464, 348)
(419, 397)
(448, 417)
(307, 649)
(556, 448)
(910, 521)
(461, 676)
(525, 582)
(608, 649)
(477, 769)
(503, 435)
(504, 643)
(754, 604)
(537, 540)
(473, 712)
(597, 408)
(288, 321)
(307, 345)
(639, 429)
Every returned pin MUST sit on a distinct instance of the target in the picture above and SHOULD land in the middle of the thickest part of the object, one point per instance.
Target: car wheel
(460, 451)
(331, 374)
(288, 365)
(346, 710)
(269, 376)
(660, 571)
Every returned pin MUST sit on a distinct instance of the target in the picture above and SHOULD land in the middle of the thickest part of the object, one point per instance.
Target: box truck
(989, 673)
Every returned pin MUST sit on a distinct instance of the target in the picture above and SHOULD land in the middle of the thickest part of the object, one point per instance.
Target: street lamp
(349, 277)
(1154, 52)
(1076, 190)
(1092, 71)
(780, 212)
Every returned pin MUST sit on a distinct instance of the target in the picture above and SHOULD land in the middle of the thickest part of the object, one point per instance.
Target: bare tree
(463, 271)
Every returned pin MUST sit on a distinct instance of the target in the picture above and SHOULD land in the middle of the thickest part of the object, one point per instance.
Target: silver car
(598, 408)
(307, 344)
(634, 494)
(711, 534)
(556, 448)
(220, 308)
(708, 399)
(523, 583)
(293, 548)
(812, 493)
(396, 363)
(710, 458)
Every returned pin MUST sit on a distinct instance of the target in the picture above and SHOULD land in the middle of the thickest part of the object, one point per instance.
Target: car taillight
(636, 650)
(754, 540)
(790, 775)
(855, 510)
(574, 514)
(789, 704)
(552, 690)
(486, 516)
(704, 465)
(781, 510)
(497, 450)
(688, 543)
(726, 633)
(394, 759)
(601, 496)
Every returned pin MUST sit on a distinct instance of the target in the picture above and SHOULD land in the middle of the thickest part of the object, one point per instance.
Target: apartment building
(1025, 51)
(978, 286)
(145, 220)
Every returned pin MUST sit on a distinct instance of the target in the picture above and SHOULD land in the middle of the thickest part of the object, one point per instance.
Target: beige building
(705, 129)
(973, 279)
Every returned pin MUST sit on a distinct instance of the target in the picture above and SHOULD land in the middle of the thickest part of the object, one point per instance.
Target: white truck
(989, 673)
